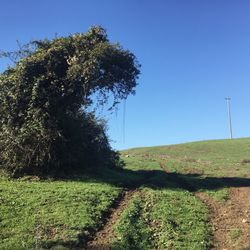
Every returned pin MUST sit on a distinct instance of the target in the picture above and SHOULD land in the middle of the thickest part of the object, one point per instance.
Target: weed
(235, 233)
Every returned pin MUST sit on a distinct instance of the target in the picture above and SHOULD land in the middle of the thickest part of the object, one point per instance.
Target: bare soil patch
(230, 220)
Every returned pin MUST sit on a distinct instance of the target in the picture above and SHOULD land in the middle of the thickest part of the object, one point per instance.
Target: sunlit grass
(163, 219)
(43, 214)
(215, 158)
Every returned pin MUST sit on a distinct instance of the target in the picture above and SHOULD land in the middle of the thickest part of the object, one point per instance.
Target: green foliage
(38, 215)
(44, 126)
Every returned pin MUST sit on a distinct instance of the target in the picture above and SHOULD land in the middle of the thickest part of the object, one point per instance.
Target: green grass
(43, 214)
(164, 214)
(163, 219)
(202, 164)
(135, 163)
(180, 220)
(212, 158)
(220, 195)
(132, 229)
(176, 218)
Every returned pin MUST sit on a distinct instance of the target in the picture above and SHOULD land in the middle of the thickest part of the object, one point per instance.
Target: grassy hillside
(180, 220)
(164, 212)
(215, 158)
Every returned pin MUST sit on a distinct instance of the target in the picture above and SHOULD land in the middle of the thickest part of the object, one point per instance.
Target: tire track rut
(103, 237)
(225, 218)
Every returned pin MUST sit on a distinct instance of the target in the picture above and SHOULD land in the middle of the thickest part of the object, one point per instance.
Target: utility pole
(228, 99)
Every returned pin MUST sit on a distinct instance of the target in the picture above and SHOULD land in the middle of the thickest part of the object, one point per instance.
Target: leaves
(44, 126)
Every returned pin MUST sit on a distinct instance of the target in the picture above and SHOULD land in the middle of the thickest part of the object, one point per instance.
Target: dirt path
(104, 236)
(230, 220)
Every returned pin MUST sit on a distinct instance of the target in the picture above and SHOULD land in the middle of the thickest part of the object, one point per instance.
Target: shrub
(44, 126)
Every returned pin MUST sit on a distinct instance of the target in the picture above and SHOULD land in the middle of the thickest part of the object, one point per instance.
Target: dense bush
(44, 125)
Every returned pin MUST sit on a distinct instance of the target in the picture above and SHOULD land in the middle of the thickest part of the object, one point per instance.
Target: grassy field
(164, 213)
(203, 164)
(211, 158)
(37, 214)
(211, 167)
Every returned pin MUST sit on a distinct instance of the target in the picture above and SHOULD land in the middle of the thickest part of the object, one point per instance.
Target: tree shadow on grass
(160, 179)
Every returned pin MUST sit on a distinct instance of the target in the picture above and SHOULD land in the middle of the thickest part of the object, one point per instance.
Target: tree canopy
(44, 125)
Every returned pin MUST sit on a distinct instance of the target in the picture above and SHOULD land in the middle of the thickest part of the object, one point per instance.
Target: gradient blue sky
(193, 53)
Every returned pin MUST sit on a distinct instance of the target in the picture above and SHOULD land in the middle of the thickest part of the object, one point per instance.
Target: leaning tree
(44, 124)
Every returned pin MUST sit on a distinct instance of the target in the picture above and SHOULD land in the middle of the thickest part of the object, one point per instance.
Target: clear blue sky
(193, 55)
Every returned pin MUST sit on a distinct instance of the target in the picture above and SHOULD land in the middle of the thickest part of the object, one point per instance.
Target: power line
(124, 120)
